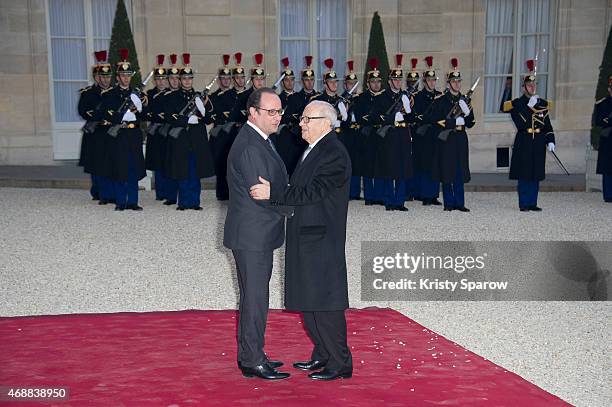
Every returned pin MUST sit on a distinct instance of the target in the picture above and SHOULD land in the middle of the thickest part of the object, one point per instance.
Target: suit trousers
(254, 272)
(327, 330)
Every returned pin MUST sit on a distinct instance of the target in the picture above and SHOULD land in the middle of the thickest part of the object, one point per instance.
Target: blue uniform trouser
(126, 192)
(453, 192)
(95, 187)
(165, 188)
(429, 189)
(373, 189)
(528, 193)
(411, 190)
(395, 192)
(355, 191)
(189, 189)
(106, 189)
(606, 180)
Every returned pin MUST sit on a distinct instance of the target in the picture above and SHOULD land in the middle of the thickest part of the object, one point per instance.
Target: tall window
(76, 29)
(516, 30)
(314, 27)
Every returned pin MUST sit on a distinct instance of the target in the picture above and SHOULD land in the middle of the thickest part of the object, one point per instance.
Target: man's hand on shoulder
(261, 191)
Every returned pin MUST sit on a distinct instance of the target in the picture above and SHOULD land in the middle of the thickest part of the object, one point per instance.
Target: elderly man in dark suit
(315, 261)
(253, 229)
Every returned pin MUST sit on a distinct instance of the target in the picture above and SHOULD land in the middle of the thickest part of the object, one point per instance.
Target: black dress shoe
(310, 365)
(222, 198)
(103, 202)
(159, 199)
(401, 208)
(169, 202)
(119, 208)
(389, 208)
(274, 364)
(369, 203)
(356, 198)
(463, 209)
(524, 209)
(134, 207)
(95, 198)
(196, 208)
(435, 201)
(607, 200)
(181, 208)
(448, 208)
(264, 371)
(535, 209)
(409, 199)
(426, 201)
(327, 374)
(381, 203)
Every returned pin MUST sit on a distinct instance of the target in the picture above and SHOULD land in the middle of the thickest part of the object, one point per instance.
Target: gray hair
(326, 110)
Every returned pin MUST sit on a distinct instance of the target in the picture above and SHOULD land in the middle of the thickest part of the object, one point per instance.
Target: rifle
(455, 111)
(190, 108)
(113, 131)
(278, 81)
(347, 99)
(394, 107)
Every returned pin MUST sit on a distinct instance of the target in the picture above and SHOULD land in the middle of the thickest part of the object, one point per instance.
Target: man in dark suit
(253, 229)
(315, 261)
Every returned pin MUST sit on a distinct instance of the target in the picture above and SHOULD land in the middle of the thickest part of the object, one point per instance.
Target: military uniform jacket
(296, 103)
(154, 114)
(223, 101)
(191, 139)
(284, 97)
(239, 112)
(534, 132)
(455, 148)
(128, 143)
(395, 154)
(349, 130)
(603, 119)
(424, 134)
(315, 262)
(89, 99)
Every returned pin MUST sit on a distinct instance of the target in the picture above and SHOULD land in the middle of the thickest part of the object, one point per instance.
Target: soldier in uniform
(169, 187)
(287, 84)
(154, 115)
(395, 152)
(290, 131)
(424, 138)
(412, 88)
(122, 107)
(190, 155)
(370, 112)
(330, 85)
(603, 119)
(89, 97)
(239, 114)
(349, 129)
(223, 100)
(451, 114)
(530, 115)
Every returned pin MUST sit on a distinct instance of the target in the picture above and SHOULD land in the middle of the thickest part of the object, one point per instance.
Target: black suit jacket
(315, 261)
(250, 224)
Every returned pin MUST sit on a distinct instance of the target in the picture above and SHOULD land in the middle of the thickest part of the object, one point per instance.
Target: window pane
(69, 59)
(542, 83)
(498, 90)
(335, 49)
(500, 17)
(535, 16)
(66, 18)
(66, 96)
(331, 18)
(103, 13)
(498, 57)
(294, 18)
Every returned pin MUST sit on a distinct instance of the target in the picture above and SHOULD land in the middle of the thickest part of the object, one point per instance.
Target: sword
(278, 81)
(208, 87)
(350, 93)
(560, 163)
(147, 79)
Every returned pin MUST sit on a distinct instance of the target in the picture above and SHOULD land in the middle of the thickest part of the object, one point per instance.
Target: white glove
(551, 147)
(464, 107)
(399, 117)
(129, 116)
(406, 103)
(137, 102)
(343, 112)
(336, 123)
(533, 100)
(200, 105)
(353, 120)
(460, 121)
(193, 119)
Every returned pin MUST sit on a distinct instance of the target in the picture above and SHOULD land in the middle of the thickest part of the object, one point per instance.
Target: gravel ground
(61, 253)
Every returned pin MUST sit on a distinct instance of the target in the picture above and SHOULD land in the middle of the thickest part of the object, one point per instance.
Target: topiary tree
(605, 70)
(122, 38)
(377, 49)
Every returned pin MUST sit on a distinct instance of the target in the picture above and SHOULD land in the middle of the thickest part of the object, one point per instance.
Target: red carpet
(188, 358)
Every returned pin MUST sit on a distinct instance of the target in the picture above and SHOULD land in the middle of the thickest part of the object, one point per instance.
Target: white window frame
(67, 135)
(313, 43)
(518, 67)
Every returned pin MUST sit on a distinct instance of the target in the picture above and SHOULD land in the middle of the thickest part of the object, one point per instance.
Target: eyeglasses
(272, 112)
(307, 119)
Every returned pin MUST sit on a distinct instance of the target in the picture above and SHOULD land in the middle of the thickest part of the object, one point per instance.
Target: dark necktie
(272, 145)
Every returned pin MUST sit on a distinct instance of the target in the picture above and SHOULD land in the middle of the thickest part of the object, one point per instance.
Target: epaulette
(86, 88)
(600, 100)
(549, 104)
(313, 97)
(169, 92)
(439, 96)
(107, 90)
(508, 106)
